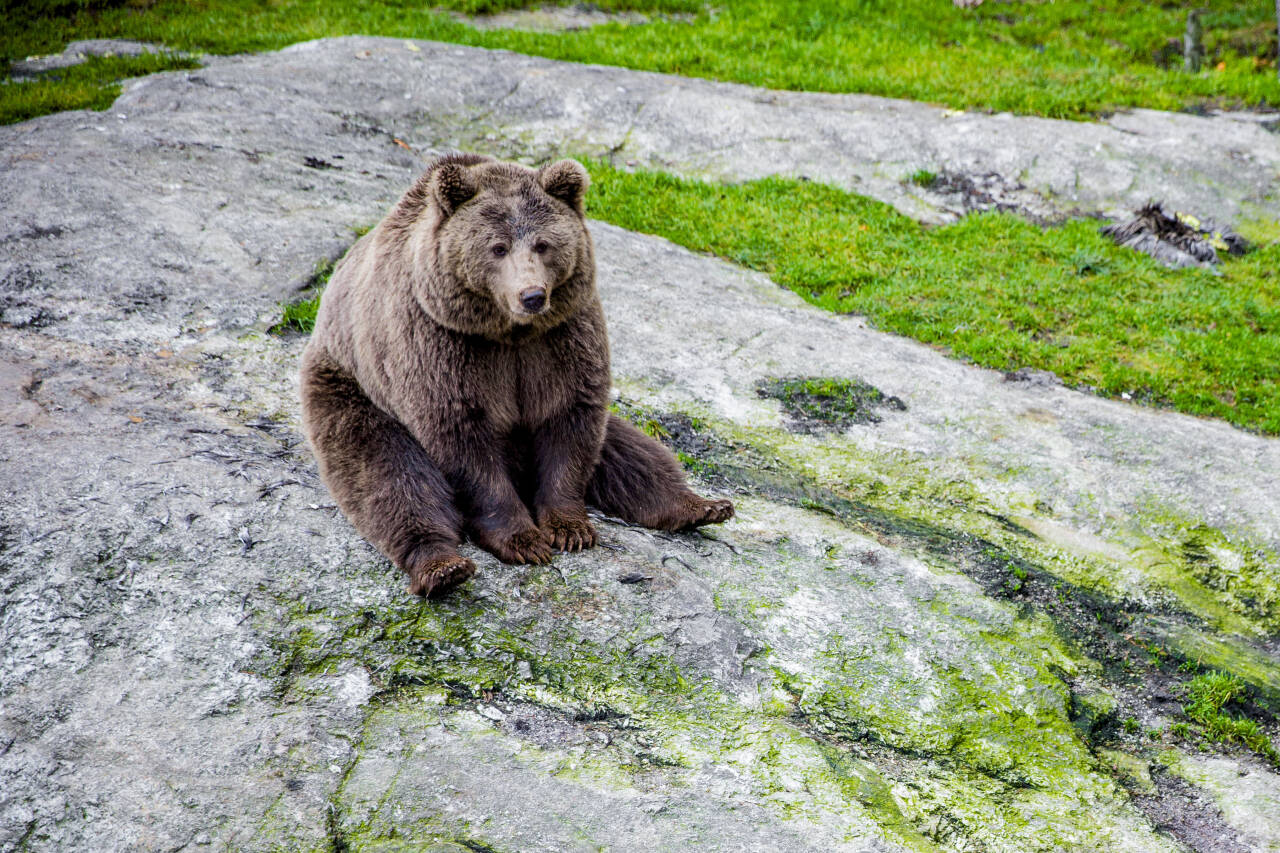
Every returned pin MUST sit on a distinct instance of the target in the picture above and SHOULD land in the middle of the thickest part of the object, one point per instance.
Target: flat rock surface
(895, 645)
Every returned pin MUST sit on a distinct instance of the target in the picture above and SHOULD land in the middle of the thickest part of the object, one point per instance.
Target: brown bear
(458, 380)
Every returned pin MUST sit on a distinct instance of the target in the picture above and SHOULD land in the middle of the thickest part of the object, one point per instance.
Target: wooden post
(1193, 42)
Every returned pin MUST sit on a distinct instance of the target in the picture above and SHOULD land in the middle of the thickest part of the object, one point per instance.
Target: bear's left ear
(566, 180)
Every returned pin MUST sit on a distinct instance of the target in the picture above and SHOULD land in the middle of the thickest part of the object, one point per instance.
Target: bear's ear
(566, 180)
(452, 183)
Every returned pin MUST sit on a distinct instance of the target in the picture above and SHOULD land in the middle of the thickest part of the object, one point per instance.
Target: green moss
(836, 403)
(1131, 770)
(1233, 575)
(470, 651)
(1091, 712)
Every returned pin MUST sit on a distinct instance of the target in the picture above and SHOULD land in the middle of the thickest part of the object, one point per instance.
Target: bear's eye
(540, 247)
(499, 250)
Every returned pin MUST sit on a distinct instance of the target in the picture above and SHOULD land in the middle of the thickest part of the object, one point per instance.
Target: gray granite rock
(889, 647)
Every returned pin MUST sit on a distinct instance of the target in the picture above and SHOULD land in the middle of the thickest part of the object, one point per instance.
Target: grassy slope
(992, 288)
(1071, 58)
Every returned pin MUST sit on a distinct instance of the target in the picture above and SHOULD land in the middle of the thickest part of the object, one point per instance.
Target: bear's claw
(527, 546)
(568, 531)
(435, 575)
(715, 512)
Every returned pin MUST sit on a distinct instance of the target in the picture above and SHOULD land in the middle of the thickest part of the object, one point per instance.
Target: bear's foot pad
(434, 576)
(568, 531)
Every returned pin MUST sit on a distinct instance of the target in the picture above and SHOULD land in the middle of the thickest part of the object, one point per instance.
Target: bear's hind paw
(701, 512)
(431, 576)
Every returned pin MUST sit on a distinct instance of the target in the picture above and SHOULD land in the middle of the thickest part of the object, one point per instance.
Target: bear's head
(504, 248)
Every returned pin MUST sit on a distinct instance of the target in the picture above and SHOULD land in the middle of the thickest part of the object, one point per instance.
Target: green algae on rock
(828, 403)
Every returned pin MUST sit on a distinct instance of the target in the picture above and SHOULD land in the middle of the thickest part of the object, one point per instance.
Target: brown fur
(458, 377)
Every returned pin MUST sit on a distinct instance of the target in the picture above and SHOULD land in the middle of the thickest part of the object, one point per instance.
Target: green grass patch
(1207, 696)
(992, 288)
(923, 178)
(1071, 58)
(300, 316)
(92, 85)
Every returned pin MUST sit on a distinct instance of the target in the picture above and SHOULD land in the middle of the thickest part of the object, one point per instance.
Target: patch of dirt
(1180, 810)
(969, 193)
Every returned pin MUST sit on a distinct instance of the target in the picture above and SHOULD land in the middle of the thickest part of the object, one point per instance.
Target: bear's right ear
(565, 180)
(452, 184)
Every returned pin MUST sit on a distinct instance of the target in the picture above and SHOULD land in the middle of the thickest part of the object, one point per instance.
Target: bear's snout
(533, 299)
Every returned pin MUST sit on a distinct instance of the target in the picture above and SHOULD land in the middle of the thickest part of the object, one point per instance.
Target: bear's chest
(522, 386)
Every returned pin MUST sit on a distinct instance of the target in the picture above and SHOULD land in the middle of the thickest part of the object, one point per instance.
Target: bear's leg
(639, 480)
(565, 452)
(483, 469)
(382, 479)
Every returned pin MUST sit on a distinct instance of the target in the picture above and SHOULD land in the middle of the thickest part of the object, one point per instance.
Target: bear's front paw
(568, 530)
(527, 546)
(434, 575)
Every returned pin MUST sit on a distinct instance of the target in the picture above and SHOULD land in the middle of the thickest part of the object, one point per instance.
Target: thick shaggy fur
(458, 377)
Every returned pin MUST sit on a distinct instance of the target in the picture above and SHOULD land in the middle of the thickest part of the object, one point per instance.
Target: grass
(1207, 696)
(991, 288)
(1071, 58)
(300, 316)
(93, 85)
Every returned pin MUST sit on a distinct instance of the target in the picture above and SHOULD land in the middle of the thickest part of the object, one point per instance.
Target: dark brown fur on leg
(639, 480)
(382, 479)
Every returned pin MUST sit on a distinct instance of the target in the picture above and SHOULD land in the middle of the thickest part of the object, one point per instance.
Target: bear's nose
(533, 299)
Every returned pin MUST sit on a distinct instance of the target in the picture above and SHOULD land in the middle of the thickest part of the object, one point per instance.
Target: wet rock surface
(878, 653)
